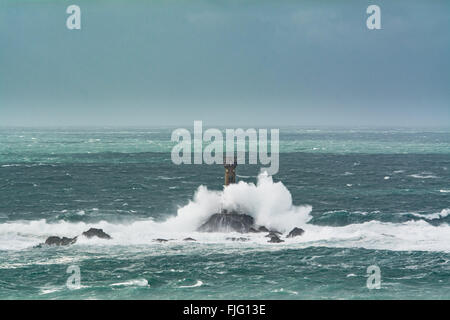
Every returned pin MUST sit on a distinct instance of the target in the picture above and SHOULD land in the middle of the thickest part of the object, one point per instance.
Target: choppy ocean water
(364, 197)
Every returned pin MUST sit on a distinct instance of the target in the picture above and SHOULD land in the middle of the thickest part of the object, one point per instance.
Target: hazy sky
(225, 62)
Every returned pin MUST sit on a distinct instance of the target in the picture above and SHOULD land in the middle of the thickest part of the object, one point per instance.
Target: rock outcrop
(295, 232)
(99, 233)
(57, 241)
(189, 239)
(239, 222)
(275, 239)
(64, 241)
(160, 240)
(228, 222)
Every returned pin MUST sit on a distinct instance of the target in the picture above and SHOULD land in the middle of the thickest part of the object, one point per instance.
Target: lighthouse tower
(230, 164)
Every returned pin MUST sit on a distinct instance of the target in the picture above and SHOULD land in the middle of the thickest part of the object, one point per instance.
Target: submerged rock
(238, 239)
(272, 234)
(228, 222)
(295, 232)
(160, 240)
(275, 239)
(260, 229)
(189, 239)
(57, 241)
(99, 233)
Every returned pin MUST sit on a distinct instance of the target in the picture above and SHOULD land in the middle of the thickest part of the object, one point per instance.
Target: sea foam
(268, 202)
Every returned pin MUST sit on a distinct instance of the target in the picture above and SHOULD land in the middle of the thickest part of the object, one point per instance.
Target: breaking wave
(270, 204)
(438, 215)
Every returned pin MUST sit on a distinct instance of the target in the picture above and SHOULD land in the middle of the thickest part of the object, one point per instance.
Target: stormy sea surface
(363, 196)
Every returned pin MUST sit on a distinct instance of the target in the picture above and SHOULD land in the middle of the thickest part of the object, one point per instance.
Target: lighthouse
(230, 164)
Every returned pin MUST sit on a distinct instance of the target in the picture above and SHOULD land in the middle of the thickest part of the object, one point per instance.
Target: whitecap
(135, 283)
(433, 216)
(423, 176)
(197, 284)
(169, 178)
(50, 290)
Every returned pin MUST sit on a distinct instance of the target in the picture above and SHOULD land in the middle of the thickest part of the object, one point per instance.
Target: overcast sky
(225, 62)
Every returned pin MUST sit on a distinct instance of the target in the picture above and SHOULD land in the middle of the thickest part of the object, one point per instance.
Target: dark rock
(272, 234)
(253, 230)
(160, 240)
(228, 222)
(237, 239)
(295, 232)
(57, 241)
(189, 239)
(99, 233)
(275, 239)
(263, 229)
(275, 231)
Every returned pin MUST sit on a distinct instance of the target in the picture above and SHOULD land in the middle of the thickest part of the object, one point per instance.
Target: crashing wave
(268, 202)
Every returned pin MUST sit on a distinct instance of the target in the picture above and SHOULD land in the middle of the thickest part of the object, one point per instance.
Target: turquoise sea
(363, 196)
